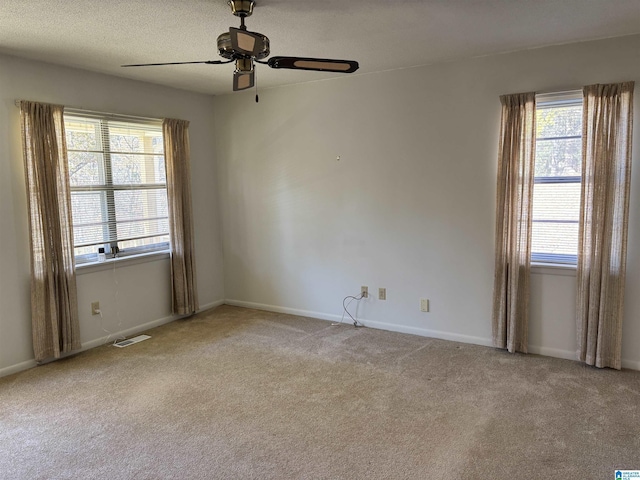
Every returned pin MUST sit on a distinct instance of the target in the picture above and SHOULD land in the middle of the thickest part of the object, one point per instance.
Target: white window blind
(118, 185)
(558, 170)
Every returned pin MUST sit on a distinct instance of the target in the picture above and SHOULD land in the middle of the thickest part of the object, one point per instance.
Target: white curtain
(183, 263)
(54, 306)
(602, 251)
(516, 163)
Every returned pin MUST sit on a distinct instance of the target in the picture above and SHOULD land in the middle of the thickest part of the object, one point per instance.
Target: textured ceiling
(382, 35)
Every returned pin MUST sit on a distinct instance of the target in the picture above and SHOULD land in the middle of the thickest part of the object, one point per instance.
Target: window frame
(551, 100)
(113, 252)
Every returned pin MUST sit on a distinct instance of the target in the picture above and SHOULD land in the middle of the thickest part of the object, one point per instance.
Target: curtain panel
(183, 264)
(516, 164)
(604, 211)
(54, 306)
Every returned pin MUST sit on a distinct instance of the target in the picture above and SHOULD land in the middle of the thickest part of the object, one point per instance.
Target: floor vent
(131, 341)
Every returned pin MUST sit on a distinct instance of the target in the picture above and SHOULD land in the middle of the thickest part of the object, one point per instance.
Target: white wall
(142, 292)
(411, 204)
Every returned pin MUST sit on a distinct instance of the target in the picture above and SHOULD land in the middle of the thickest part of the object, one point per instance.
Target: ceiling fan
(247, 48)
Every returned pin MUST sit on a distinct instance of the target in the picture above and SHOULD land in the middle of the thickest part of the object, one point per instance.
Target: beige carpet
(238, 393)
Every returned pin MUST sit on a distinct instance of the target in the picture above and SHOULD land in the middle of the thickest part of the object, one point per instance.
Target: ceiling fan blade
(246, 43)
(243, 80)
(209, 62)
(316, 64)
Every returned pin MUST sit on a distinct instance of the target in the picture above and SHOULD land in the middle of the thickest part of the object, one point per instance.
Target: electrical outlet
(95, 308)
(424, 305)
(382, 293)
(364, 291)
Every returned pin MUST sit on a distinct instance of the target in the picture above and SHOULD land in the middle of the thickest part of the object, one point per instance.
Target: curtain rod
(102, 114)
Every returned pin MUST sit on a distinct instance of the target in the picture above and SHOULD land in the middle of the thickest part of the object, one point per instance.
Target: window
(557, 184)
(118, 186)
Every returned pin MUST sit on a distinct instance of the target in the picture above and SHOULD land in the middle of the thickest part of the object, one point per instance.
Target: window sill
(112, 263)
(553, 269)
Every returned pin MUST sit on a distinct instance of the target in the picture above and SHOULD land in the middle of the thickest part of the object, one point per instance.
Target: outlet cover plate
(424, 304)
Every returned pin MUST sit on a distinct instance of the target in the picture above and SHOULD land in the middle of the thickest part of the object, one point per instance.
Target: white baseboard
(569, 355)
(423, 332)
(125, 333)
(211, 305)
(454, 337)
(630, 364)
(145, 326)
(19, 367)
(552, 352)
(277, 309)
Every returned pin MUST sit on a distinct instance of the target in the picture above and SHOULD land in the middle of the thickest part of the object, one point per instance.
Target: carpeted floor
(237, 393)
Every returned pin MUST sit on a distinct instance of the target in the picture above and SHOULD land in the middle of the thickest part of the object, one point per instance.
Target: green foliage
(557, 155)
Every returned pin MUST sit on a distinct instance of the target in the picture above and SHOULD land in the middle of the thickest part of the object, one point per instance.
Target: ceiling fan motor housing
(226, 50)
(241, 8)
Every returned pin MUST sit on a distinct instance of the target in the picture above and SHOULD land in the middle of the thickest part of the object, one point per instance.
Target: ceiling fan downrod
(242, 9)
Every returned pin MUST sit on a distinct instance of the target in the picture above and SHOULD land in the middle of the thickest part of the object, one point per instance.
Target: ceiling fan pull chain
(256, 83)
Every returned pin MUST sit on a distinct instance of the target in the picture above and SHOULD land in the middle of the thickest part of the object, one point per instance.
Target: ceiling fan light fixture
(244, 75)
(243, 80)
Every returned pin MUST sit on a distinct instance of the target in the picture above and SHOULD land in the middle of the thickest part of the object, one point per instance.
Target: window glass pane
(141, 213)
(556, 201)
(144, 243)
(82, 134)
(124, 138)
(142, 228)
(85, 169)
(160, 169)
(559, 121)
(554, 238)
(559, 157)
(107, 156)
(121, 142)
(137, 169)
(88, 210)
(138, 204)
